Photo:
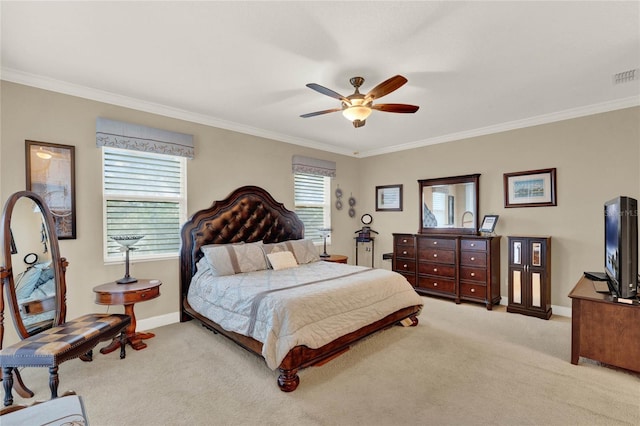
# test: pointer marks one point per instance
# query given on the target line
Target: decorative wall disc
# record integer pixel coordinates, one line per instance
(338, 205)
(352, 212)
(352, 201)
(338, 193)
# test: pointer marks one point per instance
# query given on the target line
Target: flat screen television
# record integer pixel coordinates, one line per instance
(621, 245)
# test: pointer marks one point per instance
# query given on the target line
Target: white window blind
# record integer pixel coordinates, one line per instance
(143, 194)
(313, 203)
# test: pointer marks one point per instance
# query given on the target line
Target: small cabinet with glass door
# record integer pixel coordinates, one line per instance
(530, 276)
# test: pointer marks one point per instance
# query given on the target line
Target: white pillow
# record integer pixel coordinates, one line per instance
(303, 250)
(230, 259)
(282, 260)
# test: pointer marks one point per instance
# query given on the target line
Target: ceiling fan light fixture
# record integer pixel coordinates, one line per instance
(356, 112)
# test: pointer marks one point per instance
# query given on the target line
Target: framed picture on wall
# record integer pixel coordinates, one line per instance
(51, 175)
(389, 198)
(533, 188)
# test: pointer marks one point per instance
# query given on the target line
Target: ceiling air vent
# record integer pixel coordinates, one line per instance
(626, 76)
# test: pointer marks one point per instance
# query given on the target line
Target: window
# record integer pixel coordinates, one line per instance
(312, 195)
(143, 194)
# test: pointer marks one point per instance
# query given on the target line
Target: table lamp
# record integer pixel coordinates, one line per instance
(126, 241)
(325, 233)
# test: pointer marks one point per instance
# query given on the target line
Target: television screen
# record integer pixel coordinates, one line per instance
(621, 245)
(611, 238)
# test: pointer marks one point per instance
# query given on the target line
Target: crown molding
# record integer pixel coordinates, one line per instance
(568, 114)
(59, 86)
(71, 89)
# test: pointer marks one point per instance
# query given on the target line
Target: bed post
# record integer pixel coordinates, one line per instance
(288, 380)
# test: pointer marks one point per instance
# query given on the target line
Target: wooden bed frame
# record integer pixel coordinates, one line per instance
(250, 214)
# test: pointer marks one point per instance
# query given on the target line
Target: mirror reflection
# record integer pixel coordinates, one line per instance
(33, 272)
(449, 204)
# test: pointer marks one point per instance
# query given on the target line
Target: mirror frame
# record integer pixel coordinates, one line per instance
(452, 180)
(58, 263)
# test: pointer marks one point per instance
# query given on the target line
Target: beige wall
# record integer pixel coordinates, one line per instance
(225, 160)
(596, 158)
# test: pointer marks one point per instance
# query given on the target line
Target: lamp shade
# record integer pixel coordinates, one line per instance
(356, 112)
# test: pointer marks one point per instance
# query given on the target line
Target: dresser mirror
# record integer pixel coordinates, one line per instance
(449, 205)
(35, 281)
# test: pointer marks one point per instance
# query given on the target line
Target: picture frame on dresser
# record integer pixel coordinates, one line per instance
(532, 188)
(489, 223)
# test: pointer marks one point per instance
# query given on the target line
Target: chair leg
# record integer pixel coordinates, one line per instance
(53, 381)
(87, 357)
(123, 344)
(7, 383)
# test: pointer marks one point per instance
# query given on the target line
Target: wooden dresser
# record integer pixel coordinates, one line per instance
(460, 267)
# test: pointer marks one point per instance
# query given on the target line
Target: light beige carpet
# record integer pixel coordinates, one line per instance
(463, 365)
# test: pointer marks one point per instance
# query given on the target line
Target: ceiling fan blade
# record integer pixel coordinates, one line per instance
(401, 108)
(326, 111)
(386, 87)
(328, 92)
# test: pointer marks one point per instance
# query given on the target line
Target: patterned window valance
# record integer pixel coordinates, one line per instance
(313, 166)
(118, 134)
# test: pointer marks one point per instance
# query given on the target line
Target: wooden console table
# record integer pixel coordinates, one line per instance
(603, 329)
(128, 294)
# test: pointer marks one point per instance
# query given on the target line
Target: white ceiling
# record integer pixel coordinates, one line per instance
(473, 67)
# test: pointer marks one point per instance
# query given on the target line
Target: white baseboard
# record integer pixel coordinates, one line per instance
(159, 321)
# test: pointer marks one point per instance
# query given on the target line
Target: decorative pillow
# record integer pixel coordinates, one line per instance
(282, 260)
(229, 259)
(303, 250)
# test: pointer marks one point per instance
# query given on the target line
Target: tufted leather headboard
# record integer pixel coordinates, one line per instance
(248, 214)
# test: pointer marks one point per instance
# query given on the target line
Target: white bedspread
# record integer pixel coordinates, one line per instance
(310, 305)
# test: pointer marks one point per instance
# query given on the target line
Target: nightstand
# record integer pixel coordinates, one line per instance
(128, 295)
(336, 258)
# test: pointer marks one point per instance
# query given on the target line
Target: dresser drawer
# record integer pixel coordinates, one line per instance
(473, 258)
(404, 265)
(410, 277)
(473, 291)
(437, 269)
(405, 251)
(404, 240)
(473, 245)
(437, 284)
(473, 274)
(437, 255)
(442, 243)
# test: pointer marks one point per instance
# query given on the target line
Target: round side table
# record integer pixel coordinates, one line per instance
(128, 295)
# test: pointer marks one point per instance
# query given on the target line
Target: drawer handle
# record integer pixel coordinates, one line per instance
(472, 244)
(435, 284)
(473, 274)
(435, 254)
(404, 241)
(406, 266)
(473, 258)
(143, 295)
(435, 243)
(435, 269)
(473, 290)
(404, 252)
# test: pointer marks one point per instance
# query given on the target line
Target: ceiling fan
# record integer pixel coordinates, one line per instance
(357, 107)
